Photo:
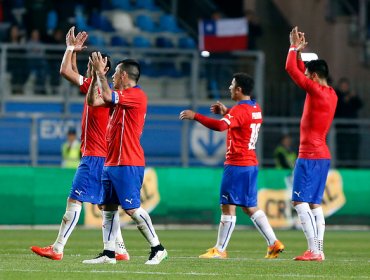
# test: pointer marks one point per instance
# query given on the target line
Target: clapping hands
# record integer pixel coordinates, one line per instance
(76, 41)
(297, 39)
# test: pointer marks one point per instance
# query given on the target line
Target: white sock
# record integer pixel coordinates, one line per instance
(225, 230)
(120, 245)
(145, 226)
(320, 225)
(259, 219)
(308, 225)
(69, 222)
(109, 228)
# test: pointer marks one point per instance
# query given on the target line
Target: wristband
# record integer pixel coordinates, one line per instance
(293, 49)
(71, 48)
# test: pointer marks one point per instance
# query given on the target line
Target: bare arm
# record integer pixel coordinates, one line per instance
(106, 92)
(93, 97)
(98, 63)
(74, 63)
(68, 67)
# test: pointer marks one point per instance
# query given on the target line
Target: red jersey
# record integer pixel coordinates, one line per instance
(244, 121)
(125, 127)
(93, 126)
(318, 111)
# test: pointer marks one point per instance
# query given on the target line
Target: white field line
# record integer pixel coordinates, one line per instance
(285, 275)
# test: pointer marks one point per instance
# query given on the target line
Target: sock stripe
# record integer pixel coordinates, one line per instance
(261, 231)
(111, 227)
(70, 226)
(312, 224)
(227, 235)
(147, 224)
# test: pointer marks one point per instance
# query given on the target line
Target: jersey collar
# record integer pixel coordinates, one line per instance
(249, 102)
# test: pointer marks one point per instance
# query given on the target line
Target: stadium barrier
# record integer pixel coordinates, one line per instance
(37, 196)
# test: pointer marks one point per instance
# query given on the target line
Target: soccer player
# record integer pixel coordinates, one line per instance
(312, 165)
(239, 182)
(123, 170)
(86, 185)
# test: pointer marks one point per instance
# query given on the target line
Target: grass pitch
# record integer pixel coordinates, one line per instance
(347, 256)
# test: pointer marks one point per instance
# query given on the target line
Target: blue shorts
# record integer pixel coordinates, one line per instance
(239, 186)
(86, 184)
(122, 185)
(309, 179)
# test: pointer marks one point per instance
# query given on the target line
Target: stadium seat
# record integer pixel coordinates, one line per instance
(122, 21)
(169, 69)
(186, 43)
(168, 23)
(96, 40)
(51, 21)
(145, 23)
(118, 41)
(100, 22)
(124, 5)
(163, 42)
(141, 42)
(146, 4)
(81, 23)
(147, 68)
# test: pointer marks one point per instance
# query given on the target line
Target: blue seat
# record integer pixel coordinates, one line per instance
(96, 40)
(148, 69)
(99, 21)
(121, 4)
(163, 42)
(141, 42)
(169, 69)
(146, 4)
(186, 43)
(145, 23)
(81, 23)
(52, 20)
(168, 23)
(118, 41)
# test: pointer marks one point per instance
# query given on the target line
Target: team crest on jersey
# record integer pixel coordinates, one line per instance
(256, 115)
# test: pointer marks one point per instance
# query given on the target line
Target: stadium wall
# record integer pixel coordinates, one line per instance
(37, 196)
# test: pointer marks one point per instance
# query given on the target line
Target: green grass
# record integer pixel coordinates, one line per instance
(347, 256)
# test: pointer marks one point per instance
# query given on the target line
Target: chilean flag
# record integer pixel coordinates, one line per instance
(223, 35)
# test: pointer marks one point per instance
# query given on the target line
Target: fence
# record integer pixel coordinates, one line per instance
(36, 139)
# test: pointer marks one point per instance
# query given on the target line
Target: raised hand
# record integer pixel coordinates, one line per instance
(218, 108)
(187, 115)
(76, 41)
(70, 37)
(80, 40)
(294, 37)
(98, 63)
(302, 43)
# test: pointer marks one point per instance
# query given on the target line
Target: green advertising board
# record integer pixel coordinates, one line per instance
(34, 196)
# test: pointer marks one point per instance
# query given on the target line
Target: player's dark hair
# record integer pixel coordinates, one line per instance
(131, 67)
(245, 82)
(318, 66)
(104, 55)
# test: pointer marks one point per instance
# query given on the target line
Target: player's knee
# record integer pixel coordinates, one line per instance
(130, 212)
(249, 210)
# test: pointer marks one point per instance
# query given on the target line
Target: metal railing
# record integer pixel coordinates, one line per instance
(35, 140)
